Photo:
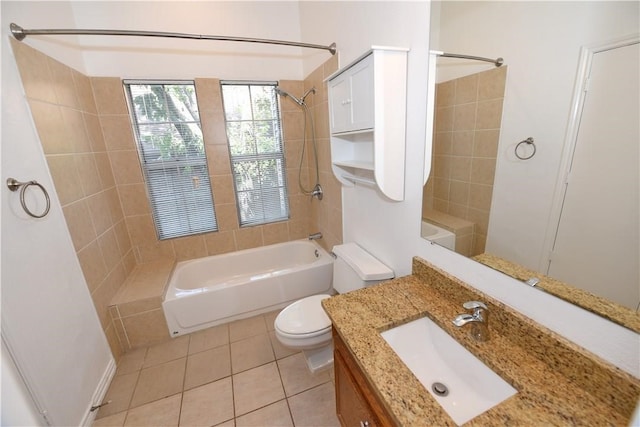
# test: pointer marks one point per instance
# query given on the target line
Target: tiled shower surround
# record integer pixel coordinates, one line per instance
(468, 114)
(86, 135)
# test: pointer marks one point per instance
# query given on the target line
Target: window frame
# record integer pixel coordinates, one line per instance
(162, 228)
(276, 155)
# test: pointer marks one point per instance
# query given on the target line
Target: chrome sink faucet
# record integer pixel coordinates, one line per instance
(479, 319)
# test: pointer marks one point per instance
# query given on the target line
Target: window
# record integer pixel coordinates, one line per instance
(171, 149)
(254, 133)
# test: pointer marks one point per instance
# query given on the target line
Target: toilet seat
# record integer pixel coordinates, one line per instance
(304, 318)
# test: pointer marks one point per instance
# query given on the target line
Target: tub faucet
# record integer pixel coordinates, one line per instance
(317, 192)
(479, 319)
(315, 236)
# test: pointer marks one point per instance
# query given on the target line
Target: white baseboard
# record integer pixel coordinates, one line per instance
(100, 392)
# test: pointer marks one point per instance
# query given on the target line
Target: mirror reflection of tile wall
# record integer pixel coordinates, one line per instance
(465, 144)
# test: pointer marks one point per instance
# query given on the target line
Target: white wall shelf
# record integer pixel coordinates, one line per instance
(367, 116)
(357, 164)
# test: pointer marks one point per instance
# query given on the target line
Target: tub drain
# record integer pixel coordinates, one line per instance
(440, 389)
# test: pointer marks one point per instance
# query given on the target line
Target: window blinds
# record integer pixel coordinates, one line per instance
(254, 133)
(172, 156)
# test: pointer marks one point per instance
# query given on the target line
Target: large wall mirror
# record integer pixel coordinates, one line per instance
(534, 163)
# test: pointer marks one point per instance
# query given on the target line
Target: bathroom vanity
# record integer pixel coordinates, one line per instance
(557, 382)
(356, 402)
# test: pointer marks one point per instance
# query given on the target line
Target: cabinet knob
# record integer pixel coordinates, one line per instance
(364, 423)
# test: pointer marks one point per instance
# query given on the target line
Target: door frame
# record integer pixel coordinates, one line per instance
(585, 62)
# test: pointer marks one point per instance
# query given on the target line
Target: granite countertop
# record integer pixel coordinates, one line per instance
(558, 382)
(601, 306)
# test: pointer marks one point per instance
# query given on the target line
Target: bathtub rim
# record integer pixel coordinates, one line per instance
(176, 328)
(177, 265)
(442, 237)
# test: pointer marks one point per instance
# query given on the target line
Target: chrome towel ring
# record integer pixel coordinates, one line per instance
(14, 185)
(528, 141)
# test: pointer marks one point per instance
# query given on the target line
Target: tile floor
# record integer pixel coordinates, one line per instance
(235, 374)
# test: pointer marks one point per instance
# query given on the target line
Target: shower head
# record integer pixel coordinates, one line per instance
(299, 101)
(283, 92)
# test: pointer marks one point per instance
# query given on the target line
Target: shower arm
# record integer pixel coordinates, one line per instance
(20, 33)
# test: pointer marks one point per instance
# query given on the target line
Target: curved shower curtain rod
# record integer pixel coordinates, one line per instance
(20, 33)
(497, 62)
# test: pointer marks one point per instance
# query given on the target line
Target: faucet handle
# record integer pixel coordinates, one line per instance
(472, 305)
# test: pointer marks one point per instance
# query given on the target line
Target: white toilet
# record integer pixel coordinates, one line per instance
(305, 326)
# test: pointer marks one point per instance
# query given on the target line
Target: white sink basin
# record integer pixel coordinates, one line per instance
(435, 357)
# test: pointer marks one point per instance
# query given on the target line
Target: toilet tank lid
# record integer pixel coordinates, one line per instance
(366, 265)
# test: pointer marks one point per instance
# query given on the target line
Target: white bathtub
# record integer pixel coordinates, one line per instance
(209, 291)
(438, 235)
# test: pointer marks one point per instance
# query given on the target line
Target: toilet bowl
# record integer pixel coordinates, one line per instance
(304, 325)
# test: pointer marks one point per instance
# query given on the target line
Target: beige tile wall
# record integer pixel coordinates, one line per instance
(136, 310)
(463, 229)
(229, 237)
(326, 215)
(306, 216)
(465, 144)
(66, 117)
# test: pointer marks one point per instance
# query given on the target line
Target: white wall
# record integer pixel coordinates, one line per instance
(540, 43)
(390, 230)
(49, 323)
(177, 58)
(45, 14)
(160, 58)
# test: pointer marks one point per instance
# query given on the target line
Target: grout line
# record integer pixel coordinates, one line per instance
(134, 390)
(186, 365)
(262, 407)
(309, 389)
(230, 376)
(284, 390)
(181, 400)
(233, 393)
(126, 335)
(286, 398)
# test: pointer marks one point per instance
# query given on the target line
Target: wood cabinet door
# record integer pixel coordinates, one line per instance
(352, 409)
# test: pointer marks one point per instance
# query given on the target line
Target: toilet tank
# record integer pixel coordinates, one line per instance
(355, 268)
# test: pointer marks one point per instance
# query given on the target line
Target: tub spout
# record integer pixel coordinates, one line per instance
(315, 236)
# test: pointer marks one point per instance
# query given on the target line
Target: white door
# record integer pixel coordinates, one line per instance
(49, 326)
(597, 242)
